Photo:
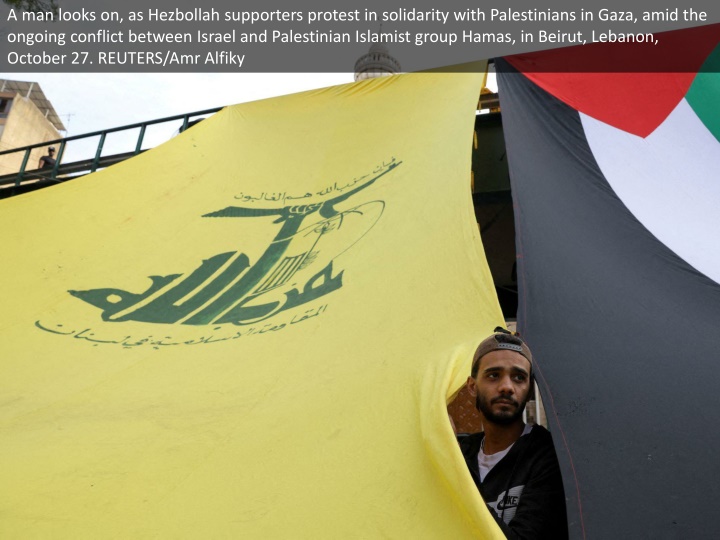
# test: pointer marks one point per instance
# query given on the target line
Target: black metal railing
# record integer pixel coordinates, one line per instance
(26, 180)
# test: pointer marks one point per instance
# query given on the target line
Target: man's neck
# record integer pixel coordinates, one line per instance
(498, 437)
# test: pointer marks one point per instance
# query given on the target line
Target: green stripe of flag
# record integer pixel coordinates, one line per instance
(704, 94)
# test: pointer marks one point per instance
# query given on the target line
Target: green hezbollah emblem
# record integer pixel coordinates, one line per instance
(226, 289)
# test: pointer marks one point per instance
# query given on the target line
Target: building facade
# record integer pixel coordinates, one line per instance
(26, 117)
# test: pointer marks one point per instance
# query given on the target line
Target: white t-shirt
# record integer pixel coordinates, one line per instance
(486, 463)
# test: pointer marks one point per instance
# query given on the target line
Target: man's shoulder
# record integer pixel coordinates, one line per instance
(470, 442)
(539, 433)
(539, 440)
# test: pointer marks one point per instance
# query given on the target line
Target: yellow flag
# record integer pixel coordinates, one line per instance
(252, 331)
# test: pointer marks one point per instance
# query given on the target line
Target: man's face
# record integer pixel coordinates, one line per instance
(502, 386)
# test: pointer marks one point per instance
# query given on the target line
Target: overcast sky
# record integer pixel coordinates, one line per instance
(92, 102)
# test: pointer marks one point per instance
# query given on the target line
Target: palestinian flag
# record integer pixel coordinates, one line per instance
(617, 193)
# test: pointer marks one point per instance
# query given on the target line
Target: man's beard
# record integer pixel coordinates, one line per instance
(504, 418)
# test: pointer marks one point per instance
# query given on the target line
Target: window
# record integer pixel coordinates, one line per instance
(5, 105)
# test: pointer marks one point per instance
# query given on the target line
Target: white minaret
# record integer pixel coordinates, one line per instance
(377, 62)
